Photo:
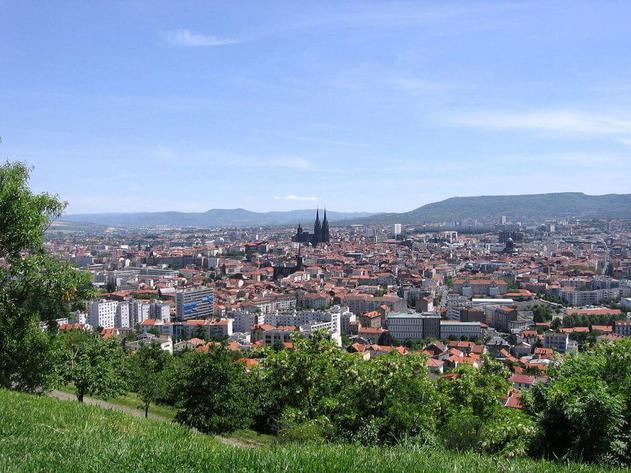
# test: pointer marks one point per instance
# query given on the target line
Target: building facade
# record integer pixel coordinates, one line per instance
(194, 304)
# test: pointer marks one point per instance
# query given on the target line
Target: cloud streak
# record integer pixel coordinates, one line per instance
(347, 144)
(293, 197)
(189, 39)
(287, 162)
(548, 121)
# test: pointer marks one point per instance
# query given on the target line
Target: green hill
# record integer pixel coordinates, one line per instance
(40, 434)
(538, 206)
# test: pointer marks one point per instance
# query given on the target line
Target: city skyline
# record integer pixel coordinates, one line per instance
(376, 107)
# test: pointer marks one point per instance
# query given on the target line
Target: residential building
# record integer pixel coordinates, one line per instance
(192, 304)
(413, 326)
(458, 330)
(623, 327)
(560, 342)
(102, 314)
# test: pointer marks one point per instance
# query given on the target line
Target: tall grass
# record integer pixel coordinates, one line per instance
(39, 434)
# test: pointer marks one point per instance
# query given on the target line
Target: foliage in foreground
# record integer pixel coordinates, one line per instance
(39, 434)
(34, 286)
(585, 412)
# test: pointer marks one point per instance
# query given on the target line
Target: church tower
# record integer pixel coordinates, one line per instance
(317, 229)
(325, 229)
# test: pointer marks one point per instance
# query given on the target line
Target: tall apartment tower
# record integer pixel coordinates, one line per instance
(197, 303)
(103, 314)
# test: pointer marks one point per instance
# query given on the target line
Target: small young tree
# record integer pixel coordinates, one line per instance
(95, 367)
(147, 373)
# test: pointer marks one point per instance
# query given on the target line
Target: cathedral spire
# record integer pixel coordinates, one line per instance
(325, 229)
(317, 228)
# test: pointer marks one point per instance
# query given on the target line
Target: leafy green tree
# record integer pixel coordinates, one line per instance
(473, 400)
(309, 378)
(34, 286)
(508, 433)
(394, 397)
(346, 397)
(217, 394)
(95, 366)
(147, 373)
(583, 413)
(542, 313)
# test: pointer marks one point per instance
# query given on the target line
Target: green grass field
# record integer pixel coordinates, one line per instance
(132, 401)
(41, 434)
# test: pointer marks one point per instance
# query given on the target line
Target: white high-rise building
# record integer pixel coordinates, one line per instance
(140, 311)
(102, 314)
(122, 319)
(397, 229)
(160, 311)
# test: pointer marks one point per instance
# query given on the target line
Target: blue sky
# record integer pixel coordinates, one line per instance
(377, 106)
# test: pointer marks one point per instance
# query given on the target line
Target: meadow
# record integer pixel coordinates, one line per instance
(41, 434)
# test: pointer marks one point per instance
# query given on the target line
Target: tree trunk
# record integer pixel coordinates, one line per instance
(147, 410)
(80, 397)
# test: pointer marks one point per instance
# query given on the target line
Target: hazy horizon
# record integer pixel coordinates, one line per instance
(276, 106)
(321, 208)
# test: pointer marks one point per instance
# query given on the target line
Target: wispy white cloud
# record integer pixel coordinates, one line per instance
(287, 162)
(410, 84)
(348, 144)
(190, 39)
(547, 120)
(398, 14)
(190, 157)
(519, 163)
(294, 197)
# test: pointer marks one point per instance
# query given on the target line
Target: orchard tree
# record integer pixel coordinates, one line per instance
(34, 286)
(584, 413)
(217, 395)
(95, 366)
(147, 373)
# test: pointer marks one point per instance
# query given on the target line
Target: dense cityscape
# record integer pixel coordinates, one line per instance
(523, 292)
(359, 236)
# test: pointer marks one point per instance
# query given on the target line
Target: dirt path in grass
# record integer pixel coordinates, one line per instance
(240, 443)
(64, 396)
(106, 405)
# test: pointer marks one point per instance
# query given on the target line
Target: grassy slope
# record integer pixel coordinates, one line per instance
(39, 434)
(132, 401)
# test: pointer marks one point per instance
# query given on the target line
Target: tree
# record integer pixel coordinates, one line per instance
(147, 373)
(217, 395)
(110, 286)
(34, 286)
(542, 313)
(509, 433)
(317, 387)
(583, 412)
(95, 367)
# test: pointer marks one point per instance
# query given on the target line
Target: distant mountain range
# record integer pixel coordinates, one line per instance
(540, 206)
(212, 218)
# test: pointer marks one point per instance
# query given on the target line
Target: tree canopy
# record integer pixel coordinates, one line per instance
(34, 286)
